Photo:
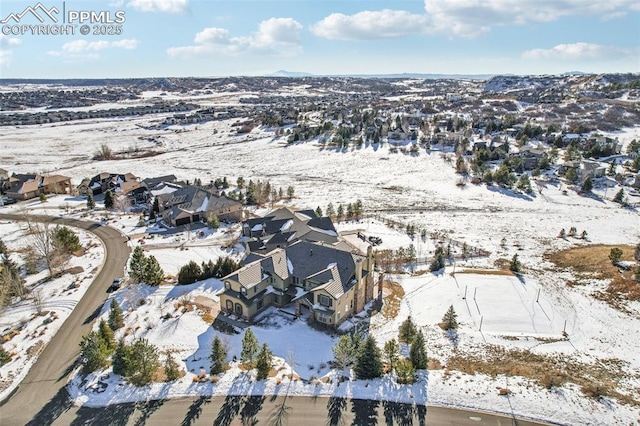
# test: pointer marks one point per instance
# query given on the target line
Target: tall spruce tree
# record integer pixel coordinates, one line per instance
(116, 319)
(418, 352)
(153, 273)
(407, 331)
(107, 335)
(94, 352)
(108, 200)
(118, 363)
(171, 369)
(369, 360)
(450, 319)
(137, 264)
(264, 361)
(218, 356)
(250, 347)
(391, 353)
(91, 203)
(343, 352)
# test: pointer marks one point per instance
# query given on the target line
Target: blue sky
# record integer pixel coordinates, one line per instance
(242, 37)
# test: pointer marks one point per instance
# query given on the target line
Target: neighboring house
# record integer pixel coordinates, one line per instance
(119, 184)
(190, 204)
(283, 227)
(27, 186)
(326, 282)
(157, 182)
(531, 157)
(592, 169)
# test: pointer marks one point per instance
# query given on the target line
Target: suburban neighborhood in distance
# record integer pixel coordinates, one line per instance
(282, 225)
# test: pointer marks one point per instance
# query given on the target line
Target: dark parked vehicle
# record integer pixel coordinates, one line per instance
(115, 285)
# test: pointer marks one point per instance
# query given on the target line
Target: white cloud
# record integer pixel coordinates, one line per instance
(275, 36)
(462, 18)
(579, 51)
(369, 25)
(90, 49)
(471, 18)
(116, 3)
(167, 6)
(6, 53)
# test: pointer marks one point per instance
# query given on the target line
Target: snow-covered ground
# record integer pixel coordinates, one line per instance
(419, 190)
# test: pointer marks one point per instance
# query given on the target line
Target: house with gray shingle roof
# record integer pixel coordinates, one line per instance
(190, 204)
(283, 227)
(329, 283)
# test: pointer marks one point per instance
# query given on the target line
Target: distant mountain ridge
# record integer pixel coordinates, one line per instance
(297, 74)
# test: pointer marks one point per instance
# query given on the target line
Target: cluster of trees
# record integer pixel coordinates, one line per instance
(392, 261)
(138, 362)
(259, 193)
(255, 356)
(351, 211)
(368, 360)
(573, 232)
(438, 261)
(515, 265)
(192, 272)
(145, 269)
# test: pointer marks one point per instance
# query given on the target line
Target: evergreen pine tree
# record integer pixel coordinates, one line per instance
(108, 200)
(116, 319)
(118, 358)
(153, 273)
(391, 353)
(340, 213)
(562, 233)
(584, 235)
(137, 264)
(218, 356)
(141, 362)
(106, 333)
(94, 352)
(515, 265)
(343, 352)
(369, 361)
(619, 197)
(5, 356)
(318, 211)
(290, 192)
(407, 331)
(418, 352)
(330, 211)
(250, 347)
(264, 361)
(450, 319)
(171, 368)
(156, 205)
(189, 273)
(587, 185)
(91, 204)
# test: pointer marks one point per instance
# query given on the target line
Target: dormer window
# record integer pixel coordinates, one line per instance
(227, 285)
(243, 291)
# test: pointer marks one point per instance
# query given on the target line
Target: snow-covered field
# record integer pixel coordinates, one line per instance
(419, 190)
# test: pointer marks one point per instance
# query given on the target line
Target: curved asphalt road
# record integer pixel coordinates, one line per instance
(41, 398)
(44, 384)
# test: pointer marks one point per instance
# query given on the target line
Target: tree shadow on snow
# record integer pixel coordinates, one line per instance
(510, 193)
(113, 415)
(365, 412)
(195, 409)
(335, 408)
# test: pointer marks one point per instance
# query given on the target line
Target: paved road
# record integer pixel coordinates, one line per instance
(242, 410)
(44, 384)
(41, 399)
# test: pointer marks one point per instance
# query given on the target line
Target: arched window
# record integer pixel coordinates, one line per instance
(229, 305)
(238, 309)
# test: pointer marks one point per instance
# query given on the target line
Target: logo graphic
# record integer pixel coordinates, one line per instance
(34, 11)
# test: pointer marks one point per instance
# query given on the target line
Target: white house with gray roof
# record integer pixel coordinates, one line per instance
(327, 282)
